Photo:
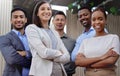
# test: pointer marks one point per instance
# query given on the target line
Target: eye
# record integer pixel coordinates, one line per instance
(57, 19)
(48, 8)
(85, 14)
(22, 16)
(100, 18)
(15, 16)
(42, 9)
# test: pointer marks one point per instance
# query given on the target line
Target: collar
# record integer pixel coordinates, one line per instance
(91, 29)
(17, 32)
(64, 36)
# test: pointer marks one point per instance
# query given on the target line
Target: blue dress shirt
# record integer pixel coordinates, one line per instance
(23, 38)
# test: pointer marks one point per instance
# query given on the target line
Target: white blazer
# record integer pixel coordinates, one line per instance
(42, 52)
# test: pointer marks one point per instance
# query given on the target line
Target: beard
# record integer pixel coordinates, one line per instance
(18, 28)
(86, 25)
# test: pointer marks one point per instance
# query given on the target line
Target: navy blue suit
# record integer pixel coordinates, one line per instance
(9, 45)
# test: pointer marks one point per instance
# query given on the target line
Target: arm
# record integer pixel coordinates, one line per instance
(10, 54)
(82, 61)
(108, 59)
(65, 57)
(25, 54)
(37, 42)
(76, 48)
(113, 54)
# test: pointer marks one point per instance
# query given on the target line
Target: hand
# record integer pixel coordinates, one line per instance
(22, 53)
(110, 53)
(80, 55)
(113, 53)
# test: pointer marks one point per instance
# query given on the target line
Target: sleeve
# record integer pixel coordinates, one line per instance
(76, 48)
(34, 38)
(81, 48)
(116, 44)
(10, 55)
(65, 57)
(28, 54)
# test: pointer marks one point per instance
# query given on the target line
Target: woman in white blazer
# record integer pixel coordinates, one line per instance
(48, 51)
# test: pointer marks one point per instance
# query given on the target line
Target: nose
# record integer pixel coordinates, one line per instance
(59, 21)
(18, 19)
(47, 10)
(97, 21)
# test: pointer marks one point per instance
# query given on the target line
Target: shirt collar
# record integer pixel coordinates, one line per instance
(17, 32)
(91, 29)
(64, 36)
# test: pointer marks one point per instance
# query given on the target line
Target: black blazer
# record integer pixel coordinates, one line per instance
(9, 44)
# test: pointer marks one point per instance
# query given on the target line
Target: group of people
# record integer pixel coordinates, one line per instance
(39, 50)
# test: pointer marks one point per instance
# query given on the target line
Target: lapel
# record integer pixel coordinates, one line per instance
(17, 38)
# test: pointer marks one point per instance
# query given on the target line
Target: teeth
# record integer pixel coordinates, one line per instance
(84, 22)
(97, 26)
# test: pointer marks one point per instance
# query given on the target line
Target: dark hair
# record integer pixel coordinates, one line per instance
(19, 8)
(59, 13)
(35, 18)
(102, 10)
(85, 7)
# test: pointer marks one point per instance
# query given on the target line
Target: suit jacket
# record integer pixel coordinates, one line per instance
(42, 52)
(9, 44)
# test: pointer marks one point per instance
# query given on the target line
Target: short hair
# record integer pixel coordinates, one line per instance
(102, 10)
(85, 7)
(59, 13)
(19, 8)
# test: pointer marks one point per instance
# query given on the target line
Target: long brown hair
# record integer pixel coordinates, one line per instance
(35, 19)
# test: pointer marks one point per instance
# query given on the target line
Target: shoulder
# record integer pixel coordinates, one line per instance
(9, 35)
(55, 32)
(31, 26)
(113, 36)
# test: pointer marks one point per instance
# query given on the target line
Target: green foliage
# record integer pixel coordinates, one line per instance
(75, 6)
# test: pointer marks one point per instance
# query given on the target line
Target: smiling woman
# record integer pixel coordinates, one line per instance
(45, 43)
(99, 60)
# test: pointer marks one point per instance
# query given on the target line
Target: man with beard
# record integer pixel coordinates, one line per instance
(84, 17)
(59, 21)
(14, 46)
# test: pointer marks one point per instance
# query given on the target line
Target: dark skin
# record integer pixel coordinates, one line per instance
(106, 60)
(84, 17)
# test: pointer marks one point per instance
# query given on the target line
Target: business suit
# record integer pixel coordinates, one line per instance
(42, 52)
(9, 45)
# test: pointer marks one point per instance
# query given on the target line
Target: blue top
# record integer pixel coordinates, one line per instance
(52, 37)
(23, 38)
(79, 40)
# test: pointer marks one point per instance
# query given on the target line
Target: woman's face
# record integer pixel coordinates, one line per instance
(44, 12)
(98, 21)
